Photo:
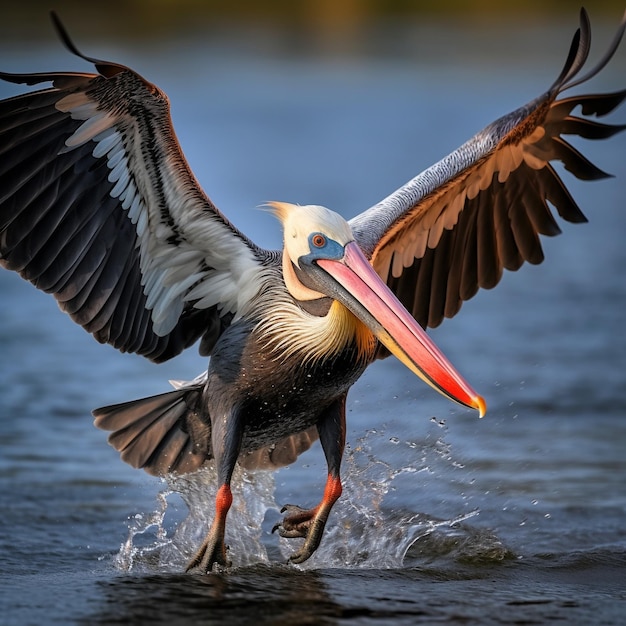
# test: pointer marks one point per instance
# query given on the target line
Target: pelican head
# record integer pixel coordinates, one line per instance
(321, 259)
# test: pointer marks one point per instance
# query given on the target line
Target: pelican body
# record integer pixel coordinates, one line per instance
(99, 207)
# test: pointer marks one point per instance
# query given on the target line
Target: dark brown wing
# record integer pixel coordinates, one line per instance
(455, 227)
(98, 207)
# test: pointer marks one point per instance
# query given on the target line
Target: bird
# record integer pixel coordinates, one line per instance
(99, 208)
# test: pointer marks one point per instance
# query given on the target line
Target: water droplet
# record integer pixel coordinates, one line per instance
(394, 440)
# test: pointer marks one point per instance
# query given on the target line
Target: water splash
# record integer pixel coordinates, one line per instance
(368, 528)
(154, 543)
(149, 526)
(365, 531)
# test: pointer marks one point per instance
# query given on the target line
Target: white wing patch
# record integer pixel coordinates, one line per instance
(224, 275)
(81, 107)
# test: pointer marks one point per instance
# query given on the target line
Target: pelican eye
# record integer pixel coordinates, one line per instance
(318, 240)
(320, 246)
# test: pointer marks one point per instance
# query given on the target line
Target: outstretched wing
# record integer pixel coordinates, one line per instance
(456, 226)
(99, 207)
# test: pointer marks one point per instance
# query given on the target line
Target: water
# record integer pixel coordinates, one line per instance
(516, 518)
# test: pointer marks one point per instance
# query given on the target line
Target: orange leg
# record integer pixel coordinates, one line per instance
(226, 442)
(213, 549)
(310, 523)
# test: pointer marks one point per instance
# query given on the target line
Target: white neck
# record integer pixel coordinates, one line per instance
(294, 286)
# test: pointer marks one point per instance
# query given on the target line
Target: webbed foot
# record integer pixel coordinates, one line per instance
(211, 552)
(296, 523)
(213, 549)
(309, 523)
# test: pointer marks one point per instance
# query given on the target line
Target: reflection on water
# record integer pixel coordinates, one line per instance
(579, 591)
(277, 595)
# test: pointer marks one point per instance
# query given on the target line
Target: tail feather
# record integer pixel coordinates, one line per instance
(150, 420)
(174, 453)
(164, 434)
(160, 434)
(280, 454)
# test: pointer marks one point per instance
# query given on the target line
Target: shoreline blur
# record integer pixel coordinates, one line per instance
(303, 22)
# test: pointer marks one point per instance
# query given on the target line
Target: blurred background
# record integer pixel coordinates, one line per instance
(346, 25)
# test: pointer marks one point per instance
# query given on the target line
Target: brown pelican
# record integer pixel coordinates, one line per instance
(99, 207)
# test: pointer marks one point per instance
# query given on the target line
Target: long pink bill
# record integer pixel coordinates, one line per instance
(369, 298)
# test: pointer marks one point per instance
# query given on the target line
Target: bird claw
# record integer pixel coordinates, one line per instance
(212, 552)
(296, 523)
(301, 522)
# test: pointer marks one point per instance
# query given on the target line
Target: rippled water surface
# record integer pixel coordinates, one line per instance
(516, 518)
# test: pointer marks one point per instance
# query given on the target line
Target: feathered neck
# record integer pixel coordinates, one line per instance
(292, 331)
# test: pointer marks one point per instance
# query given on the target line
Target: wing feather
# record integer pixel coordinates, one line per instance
(455, 227)
(98, 207)
(489, 266)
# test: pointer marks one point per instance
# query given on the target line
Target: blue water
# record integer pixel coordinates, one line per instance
(516, 518)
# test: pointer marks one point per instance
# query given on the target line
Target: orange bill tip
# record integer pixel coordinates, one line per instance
(480, 405)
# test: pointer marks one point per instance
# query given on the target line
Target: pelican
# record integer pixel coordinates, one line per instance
(99, 208)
